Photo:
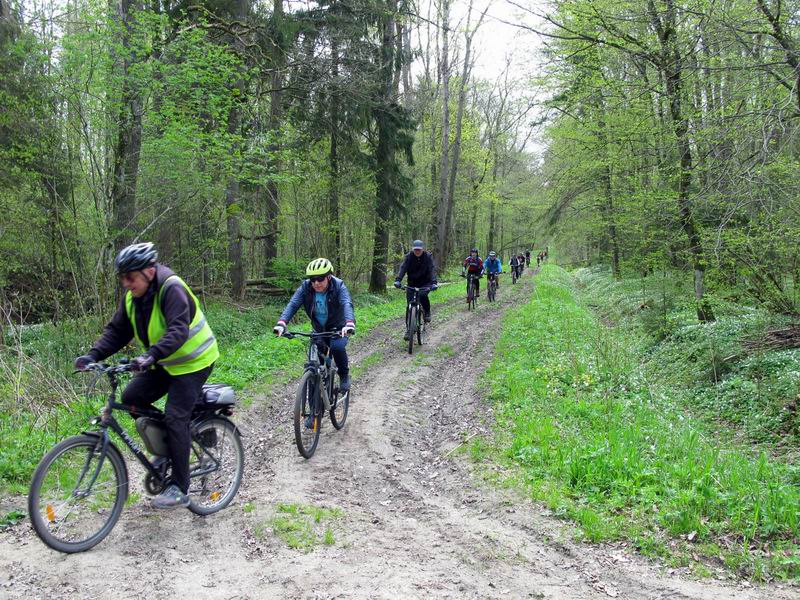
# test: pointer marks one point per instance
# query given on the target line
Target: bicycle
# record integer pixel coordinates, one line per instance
(491, 286)
(514, 274)
(415, 323)
(472, 298)
(80, 486)
(316, 394)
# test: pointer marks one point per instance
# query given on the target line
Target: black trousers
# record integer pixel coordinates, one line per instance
(424, 301)
(182, 392)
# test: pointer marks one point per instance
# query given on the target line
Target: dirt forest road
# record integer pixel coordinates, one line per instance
(414, 520)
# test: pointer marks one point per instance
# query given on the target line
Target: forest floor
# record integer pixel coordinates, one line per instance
(386, 508)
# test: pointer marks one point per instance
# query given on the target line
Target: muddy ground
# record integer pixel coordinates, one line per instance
(415, 519)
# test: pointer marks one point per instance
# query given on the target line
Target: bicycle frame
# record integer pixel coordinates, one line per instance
(321, 368)
(106, 420)
(414, 302)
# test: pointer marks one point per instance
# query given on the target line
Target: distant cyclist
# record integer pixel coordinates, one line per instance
(527, 258)
(514, 264)
(473, 265)
(493, 266)
(421, 271)
(326, 300)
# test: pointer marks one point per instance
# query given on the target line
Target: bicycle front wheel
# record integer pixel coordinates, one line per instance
(216, 465)
(340, 409)
(77, 493)
(307, 417)
(412, 328)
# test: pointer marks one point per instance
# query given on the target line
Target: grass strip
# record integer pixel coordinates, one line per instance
(584, 431)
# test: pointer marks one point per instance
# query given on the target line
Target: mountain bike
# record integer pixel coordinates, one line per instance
(80, 486)
(415, 322)
(491, 286)
(514, 274)
(472, 297)
(317, 393)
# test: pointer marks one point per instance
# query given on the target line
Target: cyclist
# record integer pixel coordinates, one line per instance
(493, 266)
(421, 271)
(514, 263)
(520, 263)
(327, 303)
(527, 258)
(162, 313)
(473, 264)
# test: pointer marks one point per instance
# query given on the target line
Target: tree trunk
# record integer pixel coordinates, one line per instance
(442, 223)
(272, 199)
(128, 144)
(384, 153)
(333, 161)
(232, 192)
(671, 65)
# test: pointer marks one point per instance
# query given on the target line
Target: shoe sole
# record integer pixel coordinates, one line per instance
(171, 506)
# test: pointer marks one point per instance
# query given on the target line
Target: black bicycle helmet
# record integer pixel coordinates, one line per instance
(135, 258)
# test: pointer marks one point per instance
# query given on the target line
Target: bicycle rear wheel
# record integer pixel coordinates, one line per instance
(77, 493)
(216, 465)
(307, 417)
(412, 328)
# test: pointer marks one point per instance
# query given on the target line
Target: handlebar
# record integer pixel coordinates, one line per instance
(314, 335)
(416, 289)
(122, 367)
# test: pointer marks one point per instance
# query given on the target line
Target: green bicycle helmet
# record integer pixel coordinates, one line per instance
(319, 266)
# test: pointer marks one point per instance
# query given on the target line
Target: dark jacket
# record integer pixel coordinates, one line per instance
(421, 271)
(340, 305)
(176, 306)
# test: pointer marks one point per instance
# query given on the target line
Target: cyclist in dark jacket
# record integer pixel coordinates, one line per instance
(327, 303)
(421, 271)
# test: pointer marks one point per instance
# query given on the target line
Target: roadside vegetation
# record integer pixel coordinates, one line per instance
(640, 434)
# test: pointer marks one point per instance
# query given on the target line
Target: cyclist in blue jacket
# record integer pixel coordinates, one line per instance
(327, 303)
(493, 266)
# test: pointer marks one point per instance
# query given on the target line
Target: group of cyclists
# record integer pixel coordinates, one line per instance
(160, 311)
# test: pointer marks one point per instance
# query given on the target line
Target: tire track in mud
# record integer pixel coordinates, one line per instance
(416, 521)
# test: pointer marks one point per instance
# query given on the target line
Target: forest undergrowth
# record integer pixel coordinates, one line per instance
(638, 437)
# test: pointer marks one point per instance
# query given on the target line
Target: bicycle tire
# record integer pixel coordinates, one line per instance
(420, 327)
(339, 412)
(412, 327)
(211, 492)
(305, 403)
(470, 294)
(42, 497)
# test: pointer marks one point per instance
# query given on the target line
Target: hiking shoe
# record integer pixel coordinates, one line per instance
(172, 497)
(427, 317)
(344, 383)
(405, 335)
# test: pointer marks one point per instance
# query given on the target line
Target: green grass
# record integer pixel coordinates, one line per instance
(714, 374)
(301, 527)
(602, 441)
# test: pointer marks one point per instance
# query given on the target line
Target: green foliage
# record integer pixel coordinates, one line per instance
(603, 442)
